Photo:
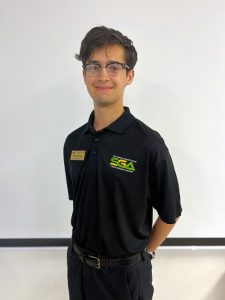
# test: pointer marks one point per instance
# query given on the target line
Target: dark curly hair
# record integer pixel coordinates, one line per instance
(102, 36)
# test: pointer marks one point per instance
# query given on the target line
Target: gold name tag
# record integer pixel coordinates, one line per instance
(77, 155)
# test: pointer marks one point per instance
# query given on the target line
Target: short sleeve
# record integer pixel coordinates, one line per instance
(66, 154)
(163, 187)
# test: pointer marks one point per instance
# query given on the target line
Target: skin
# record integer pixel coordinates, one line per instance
(159, 233)
(107, 94)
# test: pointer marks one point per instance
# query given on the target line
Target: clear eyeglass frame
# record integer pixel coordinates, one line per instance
(113, 68)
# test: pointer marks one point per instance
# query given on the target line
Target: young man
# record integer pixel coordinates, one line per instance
(117, 170)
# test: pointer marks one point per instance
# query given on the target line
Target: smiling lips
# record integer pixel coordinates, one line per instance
(103, 88)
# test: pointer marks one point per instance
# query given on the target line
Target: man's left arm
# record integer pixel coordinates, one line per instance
(159, 233)
(165, 197)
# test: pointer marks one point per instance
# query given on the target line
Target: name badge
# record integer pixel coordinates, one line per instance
(77, 155)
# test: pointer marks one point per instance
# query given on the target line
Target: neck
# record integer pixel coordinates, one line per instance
(106, 115)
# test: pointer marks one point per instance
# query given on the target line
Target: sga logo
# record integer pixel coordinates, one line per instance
(123, 164)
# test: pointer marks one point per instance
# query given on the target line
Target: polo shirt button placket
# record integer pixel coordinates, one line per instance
(96, 139)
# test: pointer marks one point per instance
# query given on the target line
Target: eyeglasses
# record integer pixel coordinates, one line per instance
(113, 69)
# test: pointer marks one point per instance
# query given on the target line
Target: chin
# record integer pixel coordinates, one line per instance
(104, 103)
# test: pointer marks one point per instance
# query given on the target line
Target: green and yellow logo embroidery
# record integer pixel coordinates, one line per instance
(123, 164)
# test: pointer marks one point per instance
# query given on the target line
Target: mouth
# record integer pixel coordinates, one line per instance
(103, 89)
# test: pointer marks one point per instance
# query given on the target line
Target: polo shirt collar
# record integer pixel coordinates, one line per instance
(118, 126)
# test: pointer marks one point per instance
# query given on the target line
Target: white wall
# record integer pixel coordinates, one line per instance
(179, 90)
(189, 274)
(40, 274)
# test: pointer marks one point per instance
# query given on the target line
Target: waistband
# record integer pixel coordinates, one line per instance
(98, 263)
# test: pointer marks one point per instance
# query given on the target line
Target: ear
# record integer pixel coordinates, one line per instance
(84, 76)
(130, 76)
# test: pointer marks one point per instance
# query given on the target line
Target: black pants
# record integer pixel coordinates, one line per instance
(132, 282)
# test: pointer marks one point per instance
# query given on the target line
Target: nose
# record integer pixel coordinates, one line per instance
(103, 74)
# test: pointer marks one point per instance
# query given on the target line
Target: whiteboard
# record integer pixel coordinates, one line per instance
(178, 90)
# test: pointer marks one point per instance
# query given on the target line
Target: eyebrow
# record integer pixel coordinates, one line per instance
(98, 63)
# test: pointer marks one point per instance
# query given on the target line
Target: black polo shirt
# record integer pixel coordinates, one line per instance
(115, 177)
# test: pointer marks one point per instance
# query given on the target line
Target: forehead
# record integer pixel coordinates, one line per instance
(108, 53)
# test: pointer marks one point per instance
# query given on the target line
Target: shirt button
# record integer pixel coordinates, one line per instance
(96, 139)
(94, 152)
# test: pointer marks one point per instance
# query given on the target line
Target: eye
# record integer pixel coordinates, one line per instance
(93, 67)
(114, 67)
